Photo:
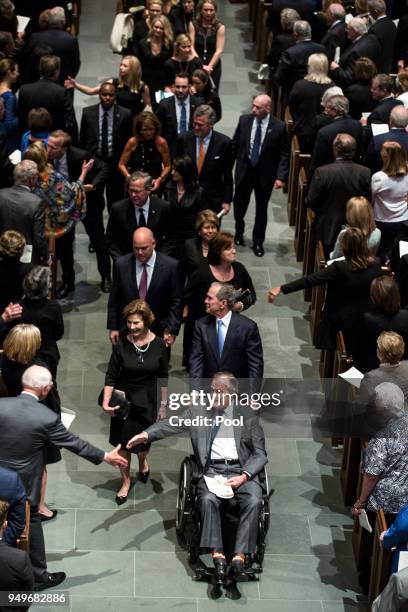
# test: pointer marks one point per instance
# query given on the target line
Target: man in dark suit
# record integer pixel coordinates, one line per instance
(140, 209)
(305, 8)
(293, 62)
(16, 573)
(332, 186)
(12, 491)
(6, 174)
(27, 427)
(49, 94)
(150, 276)
(62, 43)
(362, 45)
(337, 108)
(336, 35)
(398, 133)
(68, 160)
(23, 211)
(382, 92)
(176, 113)
(260, 146)
(212, 153)
(236, 452)
(105, 129)
(225, 340)
(386, 32)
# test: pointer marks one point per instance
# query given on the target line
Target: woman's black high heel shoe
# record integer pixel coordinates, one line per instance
(144, 476)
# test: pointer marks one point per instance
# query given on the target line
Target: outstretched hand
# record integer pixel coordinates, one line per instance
(138, 439)
(115, 459)
(273, 294)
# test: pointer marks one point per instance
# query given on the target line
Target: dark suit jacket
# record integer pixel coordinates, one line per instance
(366, 46)
(360, 99)
(122, 224)
(6, 174)
(249, 439)
(193, 254)
(23, 211)
(89, 131)
(279, 44)
(13, 492)
(323, 149)
(331, 187)
(386, 32)
(273, 160)
(166, 114)
(373, 158)
(305, 8)
(216, 174)
(335, 37)
(242, 354)
(63, 44)
(52, 96)
(97, 175)
(381, 113)
(16, 573)
(27, 427)
(164, 294)
(293, 63)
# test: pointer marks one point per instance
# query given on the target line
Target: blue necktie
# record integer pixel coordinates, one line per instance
(57, 165)
(220, 337)
(256, 145)
(183, 118)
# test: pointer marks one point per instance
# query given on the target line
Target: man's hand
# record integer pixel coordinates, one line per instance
(273, 294)
(226, 207)
(138, 439)
(169, 339)
(114, 336)
(278, 184)
(115, 459)
(236, 481)
(363, 121)
(334, 66)
(13, 311)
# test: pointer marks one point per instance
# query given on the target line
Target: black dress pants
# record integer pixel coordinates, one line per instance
(64, 251)
(93, 223)
(37, 546)
(250, 183)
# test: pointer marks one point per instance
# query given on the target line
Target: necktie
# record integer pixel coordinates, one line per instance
(201, 156)
(142, 218)
(183, 118)
(220, 337)
(104, 141)
(143, 283)
(57, 165)
(256, 145)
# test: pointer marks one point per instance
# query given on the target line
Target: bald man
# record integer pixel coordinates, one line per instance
(150, 276)
(260, 147)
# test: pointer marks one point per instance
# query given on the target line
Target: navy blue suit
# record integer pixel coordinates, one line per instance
(373, 158)
(13, 492)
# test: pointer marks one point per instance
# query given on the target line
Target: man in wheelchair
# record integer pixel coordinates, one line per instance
(233, 447)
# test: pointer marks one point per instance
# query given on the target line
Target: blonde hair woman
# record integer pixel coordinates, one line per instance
(183, 60)
(131, 92)
(208, 37)
(359, 213)
(153, 51)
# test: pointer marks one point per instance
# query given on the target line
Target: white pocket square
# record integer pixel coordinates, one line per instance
(216, 157)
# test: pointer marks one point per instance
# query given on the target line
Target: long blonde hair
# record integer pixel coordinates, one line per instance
(359, 213)
(167, 30)
(134, 76)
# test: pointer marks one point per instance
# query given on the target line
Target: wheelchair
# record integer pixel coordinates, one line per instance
(188, 526)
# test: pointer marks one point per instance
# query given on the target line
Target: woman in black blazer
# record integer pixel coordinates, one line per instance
(196, 249)
(348, 292)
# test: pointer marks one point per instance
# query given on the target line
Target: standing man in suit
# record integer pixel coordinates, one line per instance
(336, 35)
(23, 211)
(68, 160)
(386, 32)
(382, 87)
(260, 146)
(176, 113)
(27, 427)
(225, 340)
(105, 129)
(398, 133)
(149, 276)
(49, 94)
(140, 209)
(237, 453)
(332, 186)
(305, 8)
(13, 492)
(212, 153)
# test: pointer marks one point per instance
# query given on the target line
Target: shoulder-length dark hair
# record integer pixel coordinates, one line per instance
(385, 294)
(187, 169)
(220, 242)
(355, 248)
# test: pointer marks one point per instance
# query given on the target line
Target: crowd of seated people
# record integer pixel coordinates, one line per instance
(151, 151)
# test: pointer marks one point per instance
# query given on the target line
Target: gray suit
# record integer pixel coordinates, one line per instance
(27, 426)
(394, 597)
(250, 444)
(23, 211)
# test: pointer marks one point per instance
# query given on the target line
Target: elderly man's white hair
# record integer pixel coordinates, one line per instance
(389, 400)
(36, 377)
(358, 25)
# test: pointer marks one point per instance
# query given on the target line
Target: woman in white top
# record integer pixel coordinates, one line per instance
(389, 189)
(359, 213)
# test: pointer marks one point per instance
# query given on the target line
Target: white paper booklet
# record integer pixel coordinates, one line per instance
(67, 417)
(353, 376)
(337, 55)
(364, 522)
(15, 157)
(379, 128)
(403, 247)
(22, 23)
(403, 560)
(27, 255)
(217, 486)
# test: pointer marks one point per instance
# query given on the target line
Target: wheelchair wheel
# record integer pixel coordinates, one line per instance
(183, 501)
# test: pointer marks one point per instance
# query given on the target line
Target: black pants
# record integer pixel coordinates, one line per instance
(37, 546)
(64, 251)
(250, 183)
(115, 184)
(94, 227)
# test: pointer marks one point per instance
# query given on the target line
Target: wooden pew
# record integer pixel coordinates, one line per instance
(301, 213)
(23, 543)
(288, 120)
(309, 252)
(380, 559)
(262, 34)
(317, 294)
(298, 160)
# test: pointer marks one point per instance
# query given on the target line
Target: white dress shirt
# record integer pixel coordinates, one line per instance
(145, 208)
(264, 127)
(223, 446)
(149, 269)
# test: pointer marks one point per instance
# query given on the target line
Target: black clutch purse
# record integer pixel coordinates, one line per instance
(118, 399)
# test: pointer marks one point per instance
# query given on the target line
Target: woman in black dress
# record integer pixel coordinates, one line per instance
(208, 38)
(185, 197)
(131, 92)
(146, 151)
(221, 266)
(183, 60)
(196, 249)
(181, 16)
(359, 92)
(138, 365)
(201, 88)
(12, 270)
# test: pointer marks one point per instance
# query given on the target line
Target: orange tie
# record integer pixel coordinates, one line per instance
(201, 156)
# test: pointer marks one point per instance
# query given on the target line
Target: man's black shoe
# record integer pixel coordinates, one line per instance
(239, 240)
(106, 285)
(51, 581)
(258, 250)
(64, 290)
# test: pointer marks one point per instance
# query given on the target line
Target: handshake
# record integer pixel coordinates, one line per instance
(116, 459)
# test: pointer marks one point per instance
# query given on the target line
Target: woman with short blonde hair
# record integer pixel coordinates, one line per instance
(22, 343)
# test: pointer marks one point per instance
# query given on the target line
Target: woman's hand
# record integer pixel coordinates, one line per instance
(208, 69)
(87, 166)
(273, 294)
(70, 83)
(109, 409)
(156, 184)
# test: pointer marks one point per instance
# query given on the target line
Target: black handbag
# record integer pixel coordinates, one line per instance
(118, 399)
